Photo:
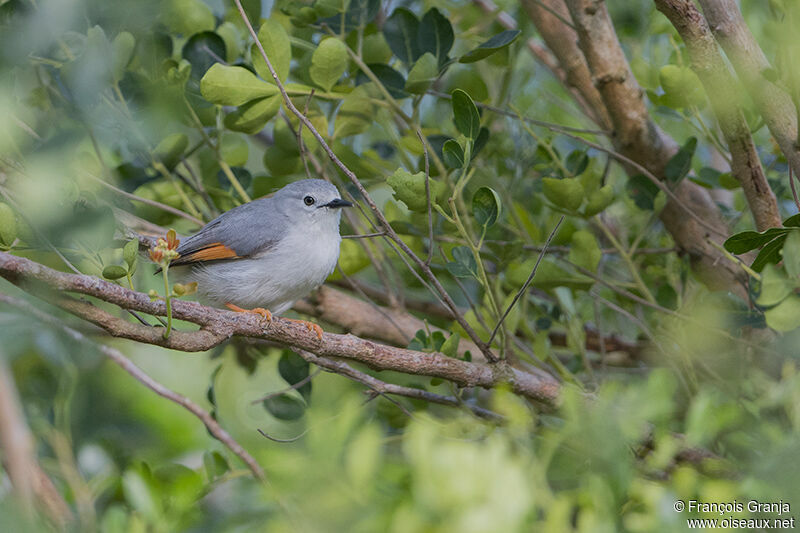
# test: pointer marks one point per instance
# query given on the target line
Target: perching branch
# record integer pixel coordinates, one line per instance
(115, 355)
(218, 325)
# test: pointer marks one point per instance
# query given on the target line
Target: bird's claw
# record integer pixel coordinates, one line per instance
(264, 313)
(310, 326)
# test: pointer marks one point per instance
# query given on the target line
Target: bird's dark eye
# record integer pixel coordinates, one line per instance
(309, 200)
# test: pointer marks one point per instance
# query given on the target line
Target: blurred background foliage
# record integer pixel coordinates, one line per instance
(169, 101)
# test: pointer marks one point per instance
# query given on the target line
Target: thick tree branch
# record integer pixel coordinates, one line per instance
(563, 42)
(638, 138)
(722, 88)
(774, 104)
(220, 325)
(115, 355)
(588, 100)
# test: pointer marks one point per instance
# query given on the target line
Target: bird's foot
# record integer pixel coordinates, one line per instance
(310, 326)
(257, 310)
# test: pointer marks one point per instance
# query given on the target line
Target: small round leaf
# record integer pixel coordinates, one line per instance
(486, 206)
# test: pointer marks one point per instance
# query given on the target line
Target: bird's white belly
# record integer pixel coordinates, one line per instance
(274, 280)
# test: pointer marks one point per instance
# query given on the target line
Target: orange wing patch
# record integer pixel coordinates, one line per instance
(212, 252)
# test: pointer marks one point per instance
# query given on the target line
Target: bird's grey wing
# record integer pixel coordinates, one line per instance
(242, 232)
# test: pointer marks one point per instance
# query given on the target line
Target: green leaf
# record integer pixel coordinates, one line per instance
(565, 193)
(203, 50)
(355, 115)
(793, 221)
(422, 74)
(791, 255)
(188, 17)
(496, 43)
(285, 407)
(463, 264)
(114, 272)
(770, 253)
(390, 78)
(410, 189)
(170, 149)
(681, 163)
(275, 40)
(435, 35)
(294, 369)
(401, 30)
(666, 296)
(224, 85)
(233, 149)
(480, 142)
(215, 464)
(452, 154)
(123, 46)
(785, 316)
(585, 251)
(450, 346)
(486, 206)
(328, 63)
(130, 253)
(599, 200)
(681, 86)
(254, 115)
(775, 286)
(233, 41)
(642, 191)
(576, 162)
(8, 225)
(465, 115)
(750, 240)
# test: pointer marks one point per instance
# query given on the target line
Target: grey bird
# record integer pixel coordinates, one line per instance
(264, 255)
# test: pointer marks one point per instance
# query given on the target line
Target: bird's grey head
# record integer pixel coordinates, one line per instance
(313, 200)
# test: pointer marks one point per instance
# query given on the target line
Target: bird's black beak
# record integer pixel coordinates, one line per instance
(338, 202)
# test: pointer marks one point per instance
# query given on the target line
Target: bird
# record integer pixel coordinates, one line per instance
(264, 255)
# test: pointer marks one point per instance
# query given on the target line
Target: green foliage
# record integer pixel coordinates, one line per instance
(465, 115)
(493, 45)
(410, 189)
(328, 63)
(486, 206)
(173, 103)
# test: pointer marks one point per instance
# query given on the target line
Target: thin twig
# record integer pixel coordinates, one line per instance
(527, 281)
(365, 235)
(147, 201)
(283, 441)
(431, 242)
(287, 389)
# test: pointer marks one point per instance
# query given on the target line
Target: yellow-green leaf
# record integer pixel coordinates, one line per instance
(328, 63)
(275, 40)
(565, 193)
(422, 74)
(224, 85)
(252, 116)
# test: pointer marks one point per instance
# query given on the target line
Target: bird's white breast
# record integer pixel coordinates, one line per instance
(276, 278)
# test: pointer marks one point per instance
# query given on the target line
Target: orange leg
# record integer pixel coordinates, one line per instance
(310, 326)
(257, 310)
